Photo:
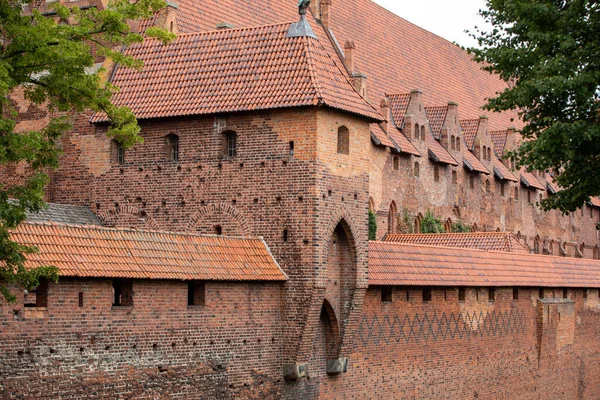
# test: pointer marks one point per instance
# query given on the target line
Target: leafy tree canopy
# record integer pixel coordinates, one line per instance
(50, 57)
(549, 53)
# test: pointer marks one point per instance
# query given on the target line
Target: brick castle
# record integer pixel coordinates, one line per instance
(228, 255)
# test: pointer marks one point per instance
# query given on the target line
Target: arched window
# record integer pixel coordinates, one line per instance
(229, 144)
(118, 152)
(418, 223)
(502, 184)
(542, 198)
(454, 177)
(488, 186)
(423, 133)
(452, 143)
(343, 142)
(392, 217)
(172, 147)
(474, 228)
(396, 163)
(489, 154)
(448, 225)
(471, 182)
(416, 131)
(457, 143)
(371, 204)
(416, 171)
(483, 153)
(436, 173)
(517, 193)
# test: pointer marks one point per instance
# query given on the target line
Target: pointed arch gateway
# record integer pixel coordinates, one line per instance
(392, 217)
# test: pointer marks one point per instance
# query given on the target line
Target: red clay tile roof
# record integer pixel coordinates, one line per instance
(380, 138)
(437, 152)
(469, 128)
(529, 180)
(91, 251)
(499, 139)
(403, 143)
(234, 70)
(488, 241)
(595, 201)
(502, 172)
(436, 117)
(399, 105)
(473, 163)
(418, 265)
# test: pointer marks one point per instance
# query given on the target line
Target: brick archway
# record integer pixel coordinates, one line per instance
(219, 208)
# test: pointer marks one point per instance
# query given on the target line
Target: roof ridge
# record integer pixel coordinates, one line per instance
(243, 28)
(117, 229)
(311, 67)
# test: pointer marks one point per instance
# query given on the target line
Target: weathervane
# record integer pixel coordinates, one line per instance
(302, 6)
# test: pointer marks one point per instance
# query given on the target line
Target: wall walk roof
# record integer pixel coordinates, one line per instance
(418, 265)
(473, 163)
(380, 138)
(403, 143)
(233, 70)
(502, 172)
(437, 152)
(87, 251)
(489, 241)
(529, 180)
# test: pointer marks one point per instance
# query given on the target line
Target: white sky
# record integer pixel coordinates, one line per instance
(448, 19)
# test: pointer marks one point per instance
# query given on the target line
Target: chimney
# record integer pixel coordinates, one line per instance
(483, 125)
(349, 56)
(511, 139)
(168, 18)
(325, 9)
(415, 105)
(360, 84)
(385, 111)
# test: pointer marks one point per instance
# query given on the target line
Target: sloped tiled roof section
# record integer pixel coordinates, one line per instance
(529, 180)
(86, 251)
(499, 139)
(488, 241)
(419, 265)
(473, 163)
(469, 128)
(234, 70)
(381, 138)
(502, 172)
(64, 214)
(436, 117)
(595, 201)
(399, 105)
(437, 152)
(403, 143)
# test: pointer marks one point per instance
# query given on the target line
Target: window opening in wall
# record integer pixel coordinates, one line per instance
(118, 152)
(483, 153)
(492, 294)
(461, 294)
(502, 189)
(477, 294)
(292, 148)
(218, 230)
(541, 293)
(416, 131)
(515, 293)
(386, 294)
(196, 293)
(80, 299)
(517, 193)
(565, 293)
(173, 147)
(454, 177)
(471, 182)
(416, 171)
(591, 212)
(423, 132)
(585, 293)
(541, 197)
(488, 186)
(285, 235)
(38, 297)
(489, 154)
(123, 293)
(396, 163)
(427, 294)
(436, 173)
(392, 217)
(343, 144)
(458, 144)
(452, 143)
(229, 144)
(529, 196)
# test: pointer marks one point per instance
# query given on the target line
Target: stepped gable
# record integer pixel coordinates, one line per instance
(473, 164)
(503, 173)
(488, 241)
(234, 70)
(409, 264)
(97, 252)
(499, 139)
(469, 128)
(436, 117)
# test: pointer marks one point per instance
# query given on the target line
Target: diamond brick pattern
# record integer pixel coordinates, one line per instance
(419, 265)
(234, 70)
(429, 327)
(88, 251)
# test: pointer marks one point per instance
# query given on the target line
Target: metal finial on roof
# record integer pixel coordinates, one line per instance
(302, 6)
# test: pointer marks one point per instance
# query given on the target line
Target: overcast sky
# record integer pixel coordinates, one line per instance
(445, 18)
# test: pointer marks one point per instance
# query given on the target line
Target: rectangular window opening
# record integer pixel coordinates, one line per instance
(585, 293)
(492, 295)
(461, 294)
(386, 294)
(292, 148)
(196, 293)
(123, 293)
(37, 297)
(515, 293)
(427, 294)
(541, 293)
(80, 299)
(565, 293)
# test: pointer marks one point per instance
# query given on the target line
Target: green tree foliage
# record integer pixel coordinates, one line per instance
(460, 227)
(549, 53)
(50, 59)
(430, 224)
(372, 226)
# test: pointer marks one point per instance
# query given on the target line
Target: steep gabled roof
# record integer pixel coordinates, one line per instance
(91, 251)
(399, 105)
(499, 139)
(469, 128)
(418, 265)
(436, 117)
(234, 70)
(489, 241)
